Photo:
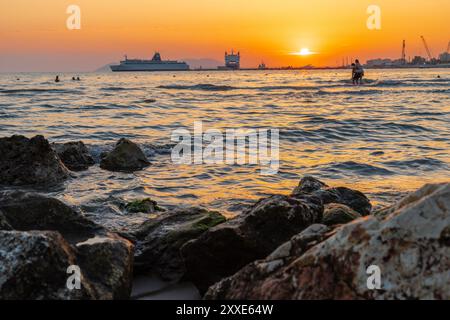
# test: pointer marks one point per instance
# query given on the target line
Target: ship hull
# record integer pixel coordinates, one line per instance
(149, 67)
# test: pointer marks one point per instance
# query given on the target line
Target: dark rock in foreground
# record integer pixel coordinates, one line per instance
(4, 224)
(108, 264)
(349, 197)
(409, 243)
(32, 161)
(34, 263)
(74, 155)
(223, 250)
(160, 239)
(34, 266)
(335, 213)
(256, 273)
(126, 156)
(31, 211)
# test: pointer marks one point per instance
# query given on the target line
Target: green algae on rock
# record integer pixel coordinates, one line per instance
(159, 239)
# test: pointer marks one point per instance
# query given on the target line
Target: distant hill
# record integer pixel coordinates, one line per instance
(202, 63)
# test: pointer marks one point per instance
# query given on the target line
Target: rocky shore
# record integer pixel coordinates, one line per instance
(314, 242)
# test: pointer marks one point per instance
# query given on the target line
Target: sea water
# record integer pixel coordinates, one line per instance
(384, 138)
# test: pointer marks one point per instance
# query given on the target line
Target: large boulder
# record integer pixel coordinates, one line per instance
(108, 263)
(105, 259)
(252, 275)
(409, 245)
(31, 211)
(346, 196)
(159, 240)
(126, 156)
(223, 250)
(32, 161)
(74, 155)
(34, 266)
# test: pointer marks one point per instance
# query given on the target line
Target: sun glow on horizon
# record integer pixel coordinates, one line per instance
(35, 36)
(304, 52)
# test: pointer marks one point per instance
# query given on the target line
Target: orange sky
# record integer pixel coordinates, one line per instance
(34, 36)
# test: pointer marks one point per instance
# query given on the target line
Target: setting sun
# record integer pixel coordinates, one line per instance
(304, 52)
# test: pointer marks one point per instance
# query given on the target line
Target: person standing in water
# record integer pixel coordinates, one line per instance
(357, 72)
(57, 79)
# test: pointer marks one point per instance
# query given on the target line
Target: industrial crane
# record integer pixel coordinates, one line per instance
(403, 59)
(426, 48)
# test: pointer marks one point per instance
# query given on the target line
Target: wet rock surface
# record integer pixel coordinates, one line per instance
(342, 195)
(335, 213)
(35, 260)
(108, 263)
(223, 250)
(256, 273)
(31, 211)
(34, 266)
(146, 205)
(30, 162)
(4, 224)
(410, 244)
(126, 156)
(74, 155)
(316, 243)
(159, 240)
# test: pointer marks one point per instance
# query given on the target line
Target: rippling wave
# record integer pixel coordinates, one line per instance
(386, 137)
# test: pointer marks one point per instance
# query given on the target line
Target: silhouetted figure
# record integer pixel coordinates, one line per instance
(78, 78)
(57, 79)
(73, 78)
(357, 72)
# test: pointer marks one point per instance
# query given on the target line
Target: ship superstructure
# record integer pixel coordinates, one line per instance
(232, 60)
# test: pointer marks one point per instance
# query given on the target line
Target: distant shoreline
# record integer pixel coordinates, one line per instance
(446, 66)
(325, 68)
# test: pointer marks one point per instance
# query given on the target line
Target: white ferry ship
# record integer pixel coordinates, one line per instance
(156, 64)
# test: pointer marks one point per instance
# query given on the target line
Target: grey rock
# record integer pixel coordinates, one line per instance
(241, 284)
(223, 250)
(126, 156)
(349, 197)
(335, 213)
(159, 240)
(74, 155)
(4, 224)
(108, 264)
(410, 244)
(34, 266)
(31, 211)
(105, 259)
(30, 162)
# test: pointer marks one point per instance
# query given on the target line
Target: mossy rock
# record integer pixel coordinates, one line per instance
(159, 240)
(212, 219)
(146, 205)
